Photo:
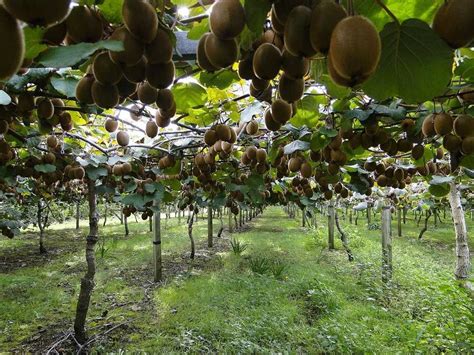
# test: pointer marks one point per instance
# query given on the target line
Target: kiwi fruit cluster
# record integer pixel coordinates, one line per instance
(167, 161)
(256, 158)
(219, 49)
(122, 169)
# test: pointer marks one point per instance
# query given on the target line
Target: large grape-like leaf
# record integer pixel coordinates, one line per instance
(256, 13)
(188, 95)
(415, 65)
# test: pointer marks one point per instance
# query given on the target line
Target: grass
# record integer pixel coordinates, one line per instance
(303, 299)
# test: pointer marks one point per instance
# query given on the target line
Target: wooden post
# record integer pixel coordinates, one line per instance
(230, 222)
(303, 218)
(209, 226)
(78, 214)
(399, 217)
(386, 245)
(331, 222)
(157, 242)
(369, 216)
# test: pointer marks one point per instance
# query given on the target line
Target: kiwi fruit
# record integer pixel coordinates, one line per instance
(151, 129)
(140, 19)
(294, 164)
(252, 128)
(246, 67)
(221, 53)
(52, 142)
(126, 168)
(466, 95)
(403, 145)
(165, 99)
(201, 56)
(452, 143)
(135, 73)
(453, 22)
(226, 147)
(162, 121)
(105, 70)
(297, 32)
(49, 158)
(84, 89)
(45, 108)
(428, 128)
(260, 84)
(277, 26)
(337, 78)
(79, 173)
(111, 125)
(160, 50)
(55, 35)
(227, 19)
(295, 67)
(282, 8)
(210, 137)
(417, 152)
(84, 25)
(306, 170)
(355, 49)
(38, 12)
(133, 48)
(147, 93)
(328, 195)
(12, 42)
(126, 88)
(261, 155)
(4, 126)
(324, 18)
(105, 96)
(281, 111)
(270, 36)
(467, 146)
(170, 112)
(223, 132)
(443, 123)
(65, 121)
(290, 89)
(122, 138)
(160, 75)
(464, 126)
(267, 61)
(25, 103)
(271, 124)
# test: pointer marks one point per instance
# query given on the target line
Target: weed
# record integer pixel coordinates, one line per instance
(259, 265)
(238, 247)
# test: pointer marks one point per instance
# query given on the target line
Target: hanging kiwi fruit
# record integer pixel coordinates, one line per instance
(38, 12)
(84, 25)
(221, 53)
(140, 19)
(453, 22)
(227, 19)
(12, 42)
(324, 18)
(267, 61)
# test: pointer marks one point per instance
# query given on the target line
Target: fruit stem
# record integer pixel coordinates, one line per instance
(387, 10)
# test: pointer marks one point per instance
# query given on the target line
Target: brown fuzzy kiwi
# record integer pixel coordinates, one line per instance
(467, 146)
(140, 19)
(296, 36)
(260, 84)
(251, 152)
(277, 26)
(160, 50)
(122, 138)
(111, 125)
(295, 67)
(226, 147)
(290, 90)
(162, 121)
(464, 126)
(252, 128)
(160, 75)
(151, 129)
(428, 128)
(65, 120)
(370, 165)
(165, 99)
(147, 93)
(202, 59)
(25, 103)
(79, 173)
(271, 124)
(453, 22)
(403, 145)
(210, 137)
(105, 70)
(382, 181)
(223, 132)
(221, 53)
(12, 45)
(443, 123)
(126, 168)
(4, 126)
(55, 35)
(355, 49)
(337, 78)
(418, 151)
(233, 136)
(133, 48)
(246, 67)
(328, 195)
(282, 8)
(267, 61)
(126, 88)
(170, 112)
(355, 141)
(452, 143)
(381, 136)
(227, 19)
(4, 147)
(52, 142)
(135, 73)
(272, 37)
(38, 12)
(315, 156)
(294, 164)
(439, 153)
(84, 90)
(306, 170)
(324, 18)
(466, 95)
(281, 111)
(84, 25)
(45, 108)
(49, 158)
(261, 155)
(105, 96)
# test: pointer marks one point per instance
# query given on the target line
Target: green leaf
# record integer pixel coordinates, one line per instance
(33, 41)
(130, 186)
(45, 168)
(198, 29)
(465, 69)
(415, 65)
(318, 141)
(439, 190)
(65, 85)
(68, 56)
(307, 112)
(221, 79)
(5, 99)
(188, 95)
(256, 13)
(296, 146)
(441, 180)
(468, 161)
(94, 173)
(333, 89)
(112, 10)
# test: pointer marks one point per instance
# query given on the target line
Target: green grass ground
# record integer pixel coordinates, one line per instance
(285, 293)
